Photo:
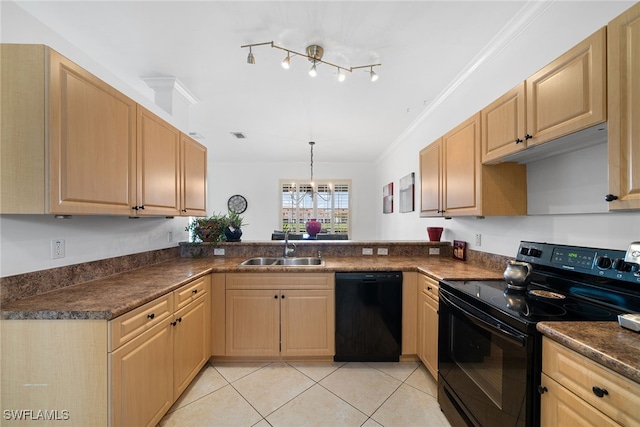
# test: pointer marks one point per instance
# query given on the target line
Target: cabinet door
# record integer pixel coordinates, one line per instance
(92, 143)
(431, 179)
(503, 125)
(624, 109)
(158, 166)
(569, 94)
(462, 168)
(190, 344)
(431, 335)
(141, 386)
(308, 323)
(194, 178)
(252, 323)
(560, 407)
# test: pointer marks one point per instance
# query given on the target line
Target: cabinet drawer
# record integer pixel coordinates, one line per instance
(128, 326)
(191, 292)
(428, 286)
(580, 375)
(280, 281)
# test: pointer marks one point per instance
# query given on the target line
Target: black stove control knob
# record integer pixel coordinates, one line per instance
(603, 263)
(534, 252)
(620, 265)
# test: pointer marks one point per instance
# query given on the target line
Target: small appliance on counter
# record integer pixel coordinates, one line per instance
(489, 350)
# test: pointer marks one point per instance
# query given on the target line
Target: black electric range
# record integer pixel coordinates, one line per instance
(489, 349)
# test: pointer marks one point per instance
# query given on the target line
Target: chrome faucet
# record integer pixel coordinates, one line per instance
(287, 250)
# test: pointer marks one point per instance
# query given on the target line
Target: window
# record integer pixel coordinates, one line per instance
(326, 201)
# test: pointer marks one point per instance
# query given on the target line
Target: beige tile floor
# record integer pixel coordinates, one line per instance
(309, 394)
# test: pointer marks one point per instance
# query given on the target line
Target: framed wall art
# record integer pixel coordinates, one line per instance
(387, 198)
(407, 193)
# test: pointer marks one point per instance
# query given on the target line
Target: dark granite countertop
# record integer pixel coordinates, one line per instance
(111, 296)
(607, 343)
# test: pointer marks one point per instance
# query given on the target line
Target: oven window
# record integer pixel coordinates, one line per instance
(479, 357)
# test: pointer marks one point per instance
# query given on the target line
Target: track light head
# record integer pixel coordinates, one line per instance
(286, 63)
(373, 74)
(251, 59)
(313, 72)
(341, 76)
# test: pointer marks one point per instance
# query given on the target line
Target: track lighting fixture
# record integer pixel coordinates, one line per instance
(314, 55)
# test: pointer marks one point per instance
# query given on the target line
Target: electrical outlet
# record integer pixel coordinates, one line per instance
(57, 249)
(170, 236)
(383, 251)
(218, 251)
(478, 239)
(367, 251)
(434, 251)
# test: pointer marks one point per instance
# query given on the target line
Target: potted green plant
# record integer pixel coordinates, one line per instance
(233, 229)
(209, 229)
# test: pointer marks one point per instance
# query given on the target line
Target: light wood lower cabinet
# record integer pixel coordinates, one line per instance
(428, 323)
(579, 391)
(141, 386)
(273, 315)
(148, 373)
(409, 314)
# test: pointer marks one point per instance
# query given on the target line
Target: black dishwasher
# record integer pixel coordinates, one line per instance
(368, 316)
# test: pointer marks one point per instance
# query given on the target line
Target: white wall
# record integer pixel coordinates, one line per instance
(538, 44)
(259, 183)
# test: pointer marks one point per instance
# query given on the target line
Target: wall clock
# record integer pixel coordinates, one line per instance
(237, 203)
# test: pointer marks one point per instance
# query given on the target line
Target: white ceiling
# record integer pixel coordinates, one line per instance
(425, 47)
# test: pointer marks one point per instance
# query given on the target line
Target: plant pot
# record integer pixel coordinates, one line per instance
(434, 233)
(232, 234)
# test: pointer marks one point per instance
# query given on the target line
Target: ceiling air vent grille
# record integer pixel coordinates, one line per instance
(238, 135)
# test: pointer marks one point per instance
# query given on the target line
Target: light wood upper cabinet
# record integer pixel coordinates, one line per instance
(72, 144)
(569, 94)
(624, 109)
(503, 125)
(158, 166)
(194, 177)
(84, 161)
(431, 179)
(461, 168)
(464, 186)
(566, 96)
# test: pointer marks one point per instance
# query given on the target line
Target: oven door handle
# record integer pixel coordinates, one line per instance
(514, 338)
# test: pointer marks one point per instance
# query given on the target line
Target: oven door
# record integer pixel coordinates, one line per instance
(483, 368)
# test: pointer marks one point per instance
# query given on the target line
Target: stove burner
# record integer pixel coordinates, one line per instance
(546, 294)
(588, 310)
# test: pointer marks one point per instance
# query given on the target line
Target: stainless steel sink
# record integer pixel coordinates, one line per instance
(259, 261)
(284, 261)
(300, 261)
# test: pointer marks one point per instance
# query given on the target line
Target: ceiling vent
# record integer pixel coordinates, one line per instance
(238, 135)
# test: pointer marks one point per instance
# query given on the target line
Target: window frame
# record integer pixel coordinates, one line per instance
(301, 219)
